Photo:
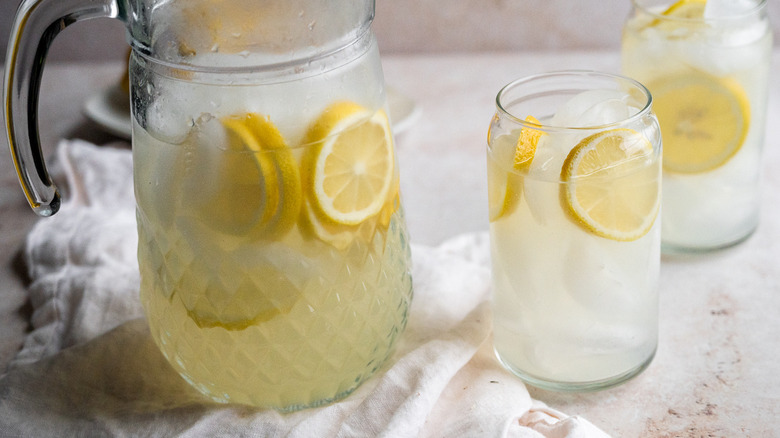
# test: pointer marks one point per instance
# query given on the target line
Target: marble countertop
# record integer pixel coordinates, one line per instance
(717, 369)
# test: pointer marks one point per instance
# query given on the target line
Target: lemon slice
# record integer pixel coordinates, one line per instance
(676, 16)
(498, 187)
(337, 235)
(704, 120)
(527, 144)
(350, 165)
(392, 205)
(239, 302)
(504, 202)
(686, 9)
(241, 286)
(252, 190)
(256, 190)
(609, 186)
(341, 236)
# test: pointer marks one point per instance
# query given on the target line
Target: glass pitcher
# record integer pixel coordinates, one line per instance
(274, 258)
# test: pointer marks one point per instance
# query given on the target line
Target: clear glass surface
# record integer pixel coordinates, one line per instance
(275, 264)
(708, 70)
(288, 315)
(575, 305)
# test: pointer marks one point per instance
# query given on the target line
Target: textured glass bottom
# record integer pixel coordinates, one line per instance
(566, 386)
(699, 248)
(284, 325)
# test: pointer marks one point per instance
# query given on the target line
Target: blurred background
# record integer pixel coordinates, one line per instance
(418, 26)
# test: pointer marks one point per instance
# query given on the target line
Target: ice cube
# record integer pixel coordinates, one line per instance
(600, 280)
(547, 159)
(592, 108)
(606, 112)
(544, 203)
(715, 9)
(727, 44)
(167, 122)
(726, 49)
(740, 27)
(589, 108)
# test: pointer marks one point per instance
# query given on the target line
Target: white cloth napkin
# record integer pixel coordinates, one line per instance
(90, 368)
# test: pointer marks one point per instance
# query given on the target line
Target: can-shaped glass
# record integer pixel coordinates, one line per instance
(707, 66)
(574, 181)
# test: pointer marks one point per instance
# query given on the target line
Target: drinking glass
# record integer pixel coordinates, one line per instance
(707, 66)
(574, 179)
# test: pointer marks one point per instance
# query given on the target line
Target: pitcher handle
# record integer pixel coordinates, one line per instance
(36, 24)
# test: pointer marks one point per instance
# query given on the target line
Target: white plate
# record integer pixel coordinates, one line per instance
(403, 110)
(111, 111)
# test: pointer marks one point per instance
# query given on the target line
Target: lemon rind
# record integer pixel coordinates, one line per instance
(578, 215)
(322, 138)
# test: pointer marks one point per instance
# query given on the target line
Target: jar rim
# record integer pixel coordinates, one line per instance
(643, 112)
(643, 6)
(281, 71)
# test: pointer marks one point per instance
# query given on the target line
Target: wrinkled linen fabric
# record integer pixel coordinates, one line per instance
(90, 368)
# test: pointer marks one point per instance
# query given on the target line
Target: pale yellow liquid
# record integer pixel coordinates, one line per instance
(571, 310)
(719, 207)
(285, 322)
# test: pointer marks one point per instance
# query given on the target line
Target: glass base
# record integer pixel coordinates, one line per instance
(593, 385)
(672, 248)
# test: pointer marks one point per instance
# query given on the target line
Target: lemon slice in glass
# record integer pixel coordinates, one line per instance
(609, 188)
(504, 202)
(349, 168)
(704, 120)
(686, 9)
(527, 144)
(679, 17)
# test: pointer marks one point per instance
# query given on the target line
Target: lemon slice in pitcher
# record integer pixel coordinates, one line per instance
(350, 166)
(232, 302)
(257, 191)
(251, 189)
(609, 189)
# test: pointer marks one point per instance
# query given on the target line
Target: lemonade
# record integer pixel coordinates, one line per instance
(574, 194)
(707, 65)
(275, 265)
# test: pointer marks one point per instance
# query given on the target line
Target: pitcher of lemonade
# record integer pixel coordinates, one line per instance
(275, 264)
